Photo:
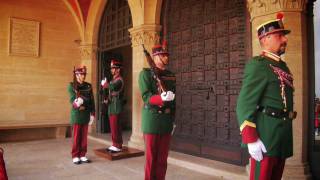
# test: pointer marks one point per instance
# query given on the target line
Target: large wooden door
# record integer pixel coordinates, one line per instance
(208, 46)
(313, 14)
(114, 42)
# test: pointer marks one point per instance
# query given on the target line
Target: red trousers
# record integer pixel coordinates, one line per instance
(116, 133)
(80, 140)
(3, 172)
(157, 149)
(270, 168)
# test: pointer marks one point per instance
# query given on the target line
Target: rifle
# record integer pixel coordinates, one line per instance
(105, 74)
(76, 86)
(75, 83)
(155, 71)
(103, 92)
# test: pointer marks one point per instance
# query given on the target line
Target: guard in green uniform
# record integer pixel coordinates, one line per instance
(115, 104)
(82, 114)
(265, 104)
(157, 114)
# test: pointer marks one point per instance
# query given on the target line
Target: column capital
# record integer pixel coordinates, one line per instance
(88, 54)
(264, 7)
(87, 51)
(145, 34)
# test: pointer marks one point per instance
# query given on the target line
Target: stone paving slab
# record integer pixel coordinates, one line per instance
(51, 159)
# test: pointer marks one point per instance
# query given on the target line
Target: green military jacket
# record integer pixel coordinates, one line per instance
(115, 99)
(155, 119)
(81, 115)
(261, 87)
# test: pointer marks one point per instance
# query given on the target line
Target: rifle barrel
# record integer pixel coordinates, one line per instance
(154, 70)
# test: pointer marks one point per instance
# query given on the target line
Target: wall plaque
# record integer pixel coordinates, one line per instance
(24, 37)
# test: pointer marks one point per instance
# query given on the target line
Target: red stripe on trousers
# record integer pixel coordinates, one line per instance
(157, 149)
(116, 133)
(271, 168)
(80, 142)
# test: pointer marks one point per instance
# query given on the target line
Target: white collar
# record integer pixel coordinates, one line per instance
(271, 55)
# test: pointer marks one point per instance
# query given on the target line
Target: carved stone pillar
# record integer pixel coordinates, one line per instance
(296, 57)
(147, 35)
(88, 54)
(88, 58)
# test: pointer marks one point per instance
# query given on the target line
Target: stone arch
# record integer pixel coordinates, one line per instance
(139, 17)
(93, 21)
(76, 18)
(145, 12)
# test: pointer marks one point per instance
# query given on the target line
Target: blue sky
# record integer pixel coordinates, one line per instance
(317, 45)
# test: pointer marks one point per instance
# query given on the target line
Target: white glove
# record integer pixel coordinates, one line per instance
(255, 150)
(167, 96)
(103, 81)
(78, 101)
(91, 119)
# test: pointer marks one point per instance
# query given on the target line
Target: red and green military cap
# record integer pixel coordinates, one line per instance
(158, 50)
(115, 63)
(272, 26)
(80, 70)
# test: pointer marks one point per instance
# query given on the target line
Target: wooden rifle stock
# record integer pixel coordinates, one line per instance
(155, 71)
(75, 83)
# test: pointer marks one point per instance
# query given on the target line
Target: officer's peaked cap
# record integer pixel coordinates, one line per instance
(272, 26)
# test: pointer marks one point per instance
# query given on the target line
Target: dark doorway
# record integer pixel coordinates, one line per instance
(114, 42)
(313, 22)
(208, 43)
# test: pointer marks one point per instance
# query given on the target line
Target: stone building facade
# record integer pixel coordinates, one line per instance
(34, 88)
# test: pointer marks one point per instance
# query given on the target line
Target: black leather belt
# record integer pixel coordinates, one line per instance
(277, 113)
(159, 111)
(164, 111)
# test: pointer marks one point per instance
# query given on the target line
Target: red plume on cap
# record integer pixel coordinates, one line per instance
(280, 15)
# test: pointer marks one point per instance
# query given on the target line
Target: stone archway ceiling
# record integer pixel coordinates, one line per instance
(81, 8)
(84, 5)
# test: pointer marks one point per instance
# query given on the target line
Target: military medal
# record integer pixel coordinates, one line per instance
(285, 79)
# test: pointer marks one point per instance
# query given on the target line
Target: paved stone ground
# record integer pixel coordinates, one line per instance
(51, 159)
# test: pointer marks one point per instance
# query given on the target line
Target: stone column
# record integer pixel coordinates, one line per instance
(296, 57)
(88, 58)
(88, 54)
(147, 35)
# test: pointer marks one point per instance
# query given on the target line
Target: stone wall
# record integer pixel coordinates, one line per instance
(34, 89)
